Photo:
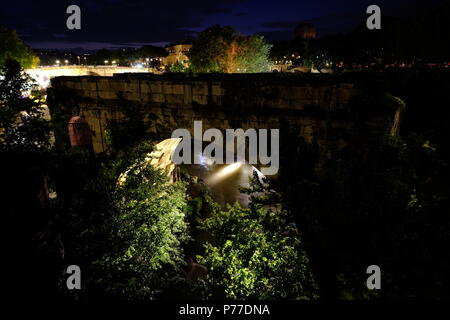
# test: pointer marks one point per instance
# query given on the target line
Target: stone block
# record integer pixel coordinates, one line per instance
(156, 87)
(298, 104)
(110, 95)
(167, 88)
(74, 85)
(117, 85)
(132, 86)
(178, 89)
(144, 87)
(199, 88)
(103, 84)
(217, 100)
(200, 99)
(176, 100)
(217, 90)
(157, 97)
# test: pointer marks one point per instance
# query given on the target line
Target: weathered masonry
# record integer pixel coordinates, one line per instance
(327, 109)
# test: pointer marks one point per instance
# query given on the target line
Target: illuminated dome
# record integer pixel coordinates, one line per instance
(305, 31)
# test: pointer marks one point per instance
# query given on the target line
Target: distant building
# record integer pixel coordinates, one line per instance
(177, 53)
(305, 30)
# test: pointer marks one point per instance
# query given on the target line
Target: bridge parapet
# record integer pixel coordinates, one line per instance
(43, 74)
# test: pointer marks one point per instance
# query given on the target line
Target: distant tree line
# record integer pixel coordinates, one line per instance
(126, 56)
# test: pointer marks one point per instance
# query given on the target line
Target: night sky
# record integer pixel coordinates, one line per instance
(123, 23)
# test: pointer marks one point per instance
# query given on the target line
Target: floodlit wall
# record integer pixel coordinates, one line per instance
(317, 107)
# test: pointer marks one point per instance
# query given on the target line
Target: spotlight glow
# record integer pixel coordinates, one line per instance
(226, 171)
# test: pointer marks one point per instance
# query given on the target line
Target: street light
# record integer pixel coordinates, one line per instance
(106, 61)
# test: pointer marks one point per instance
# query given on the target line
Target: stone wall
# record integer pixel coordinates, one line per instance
(317, 107)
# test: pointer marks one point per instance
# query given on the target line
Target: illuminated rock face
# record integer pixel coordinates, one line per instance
(160, 158)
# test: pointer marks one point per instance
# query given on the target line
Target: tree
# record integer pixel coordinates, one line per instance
(178, 67)
(255, 254)
(24, 156)
(12, 47)
(222, 49)
(146, 228)
(21, 112)
(128, 236)
(253, 55)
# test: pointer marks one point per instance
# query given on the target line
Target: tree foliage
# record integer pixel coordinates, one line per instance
(146, 229)
(222, 49)
(12, 47)
(179, 67)
(255, 254)
(128, 236)
(24, 155)
(22, 123)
